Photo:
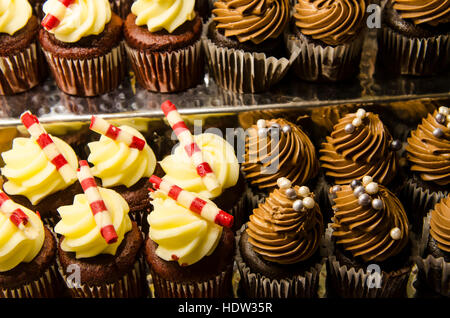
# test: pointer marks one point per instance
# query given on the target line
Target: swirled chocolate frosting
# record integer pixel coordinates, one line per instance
(365, 152)
(333, 22)
(440, 224)
(428, 155)
(431, 12)
(252, 20)
(282, 235)
(290, 155)
(366, 232)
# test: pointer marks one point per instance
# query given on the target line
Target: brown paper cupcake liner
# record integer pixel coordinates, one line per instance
(257, 285)
(217, 287)
(22, 71)
(140, 217)
(46, 286)
(168, 72)
(131, 285)
(435, 272)
(244, 72)
(317, 63)
(88, 77)
(414, 56)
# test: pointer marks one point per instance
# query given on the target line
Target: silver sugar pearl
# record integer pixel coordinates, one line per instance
(395, 233)
(377, 204)
(358, 191)
(355, 183)
(335, 188)
(396, 145)
(297, 205)
(309, 203)
(287, 129)
(291, 193)
(364, 199)
(349, 128)
(444, 110)
(372, 188)
(438, 133)
(440, 118)
(284, 183)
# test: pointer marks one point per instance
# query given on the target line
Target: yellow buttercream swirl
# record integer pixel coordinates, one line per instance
(181, 235)
(15, 246)
(167, 14)
(81, 232)
(217, 152)
(30, 173)
(14, 15)
(82, 18)
(117, 164)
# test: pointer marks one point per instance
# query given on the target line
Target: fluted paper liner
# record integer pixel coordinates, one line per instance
(414, 56)
(168, 72)
(216, 287)
(46, 286)
(88, 77)
(435, 272)
(257, 285)
(22, 71)
(317, 63)
(244, 72)
(131, 285)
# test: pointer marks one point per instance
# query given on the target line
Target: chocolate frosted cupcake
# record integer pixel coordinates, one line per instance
(28, 264)
(165, 50)
(370, 230)
(125, 170)
(32, 180)
(107, 269)
(360, 145)
(276, 148)
(415, 38)
(188, 256)
(277, 254)
(82, 44)
(22, 64)
(434, 267)
(428, 155)
(244, 44)
(329, 35)
(231, 196)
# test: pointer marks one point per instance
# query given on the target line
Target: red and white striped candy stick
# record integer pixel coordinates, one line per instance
(53, 19)
(192, 149)
(96, 203)
(188, 200)
(47, 145)
(15, 215)
(101, 126)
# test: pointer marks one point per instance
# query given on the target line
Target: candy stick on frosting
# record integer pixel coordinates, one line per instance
(47, 145)
(188, 200)
(96, 203)
(192, 149)
(101, 126)
(53, 18)
(15, 215)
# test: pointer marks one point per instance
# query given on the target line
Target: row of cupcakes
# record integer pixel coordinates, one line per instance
(324, 42)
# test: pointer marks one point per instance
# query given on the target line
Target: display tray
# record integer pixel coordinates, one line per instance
(373, 85)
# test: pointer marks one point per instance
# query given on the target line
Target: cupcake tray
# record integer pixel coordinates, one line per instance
(373, 85)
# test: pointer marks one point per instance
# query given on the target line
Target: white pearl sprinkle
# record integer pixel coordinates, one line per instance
(361, 113)
(366, 180)
(308, 203)
(444, 110)
(284, 183)
(297, 205)
(261, 123)
(395, 233)
(372, 188)
(304, 191)
(357, 122)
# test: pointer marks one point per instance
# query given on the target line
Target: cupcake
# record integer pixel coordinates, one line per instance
(165, 49)
(428, 155)
(244, 44)
(32, 180)
(28, 263)
(107, 268)
(370, 232)
(21, 60)
(219, 154)
(434, 267)
(277, 253)
(330, 36)
(125, 170)
(188, 256)
(83, 46)
(277, 148)
(415, 37)
(121, 7)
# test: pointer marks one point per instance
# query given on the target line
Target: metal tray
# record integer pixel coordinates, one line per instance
(373, 85)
